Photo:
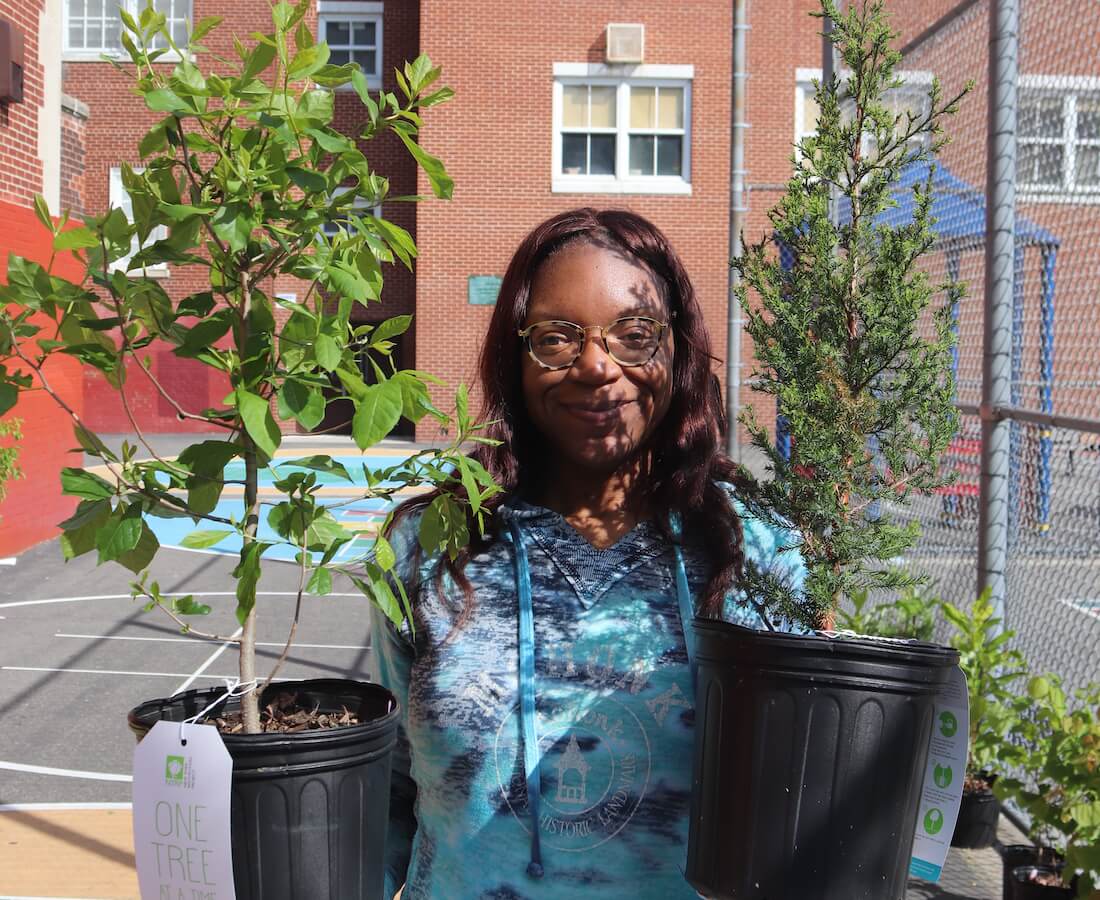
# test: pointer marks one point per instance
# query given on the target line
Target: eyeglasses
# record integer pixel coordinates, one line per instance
(630, 341)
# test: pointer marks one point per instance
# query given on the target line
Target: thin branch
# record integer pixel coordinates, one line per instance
(186, 627)
(294, 623)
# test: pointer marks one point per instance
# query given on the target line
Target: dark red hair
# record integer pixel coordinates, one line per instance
(686, 459)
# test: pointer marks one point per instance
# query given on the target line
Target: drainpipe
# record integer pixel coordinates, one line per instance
(1000, 273)
(738, 209)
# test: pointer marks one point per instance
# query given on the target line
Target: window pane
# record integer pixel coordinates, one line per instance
(359, 34)
(179, 32)
(1088, 167)
(1088, 117)
(339, 57)
(94, 36)
(641, 154)
(337, 32)
(367, 61)
(574, 149)
(643, 107)
(112, 35)
(670, 108)
(76, 36)
(95, 8)
(365, 34)
(669, 153)
(602, 99)
(574, 106)
(76, 9)
(1040, 116)
(602, 159)
(1040, 163)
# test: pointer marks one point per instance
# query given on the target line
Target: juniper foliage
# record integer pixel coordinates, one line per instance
(853, 337)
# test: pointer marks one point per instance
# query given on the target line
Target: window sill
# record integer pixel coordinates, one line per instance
(97, 56)
(573, 185)
(374, 83)
(154, 273)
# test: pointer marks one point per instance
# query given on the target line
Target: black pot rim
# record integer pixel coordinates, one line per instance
(143, 716)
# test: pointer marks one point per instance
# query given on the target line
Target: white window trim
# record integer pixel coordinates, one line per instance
(621, 78)
(116, 191)
(360, 206)
(1067, 87)
(134, 7)
(357, 11)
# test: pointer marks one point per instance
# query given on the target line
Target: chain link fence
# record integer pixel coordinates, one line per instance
(1052, 573)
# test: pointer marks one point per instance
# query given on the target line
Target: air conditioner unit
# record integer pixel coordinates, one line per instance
(625, 43)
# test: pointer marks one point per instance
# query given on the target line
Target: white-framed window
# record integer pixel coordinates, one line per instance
(353, 32)
(622, 129)
(1058, 138)
(93, 27)
(120, 199)
(911, 97)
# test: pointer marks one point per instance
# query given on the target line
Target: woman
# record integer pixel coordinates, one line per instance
(546, 743)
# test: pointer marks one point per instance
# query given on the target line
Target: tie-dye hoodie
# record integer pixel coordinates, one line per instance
(613, 718)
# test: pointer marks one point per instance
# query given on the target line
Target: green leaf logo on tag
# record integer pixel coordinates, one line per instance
(948, 724)
(942, 775)
(173, 770)
(933, 820)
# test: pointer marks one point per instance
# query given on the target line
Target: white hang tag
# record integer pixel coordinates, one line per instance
(181, 814)
(944, 774)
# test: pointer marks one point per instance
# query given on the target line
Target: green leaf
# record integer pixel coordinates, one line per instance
(309, 181)
(258, 60)
(391, 328)
(164, 100)
(320, 464)
(79, 483)
(247, 574)
(188, 606)
(384, 554)
(473, 492)
(304, 404)
(442, 183)
(307, 61)
(77, 238)
(199, 540)
(233, 223)
(81, 529)
(320, 582)
(205, 26)
(332, 143)
(143, 552)
(9, 394)
(258, 421)
(42, 212)
(119, 534)
(327, 352)
(376, 414)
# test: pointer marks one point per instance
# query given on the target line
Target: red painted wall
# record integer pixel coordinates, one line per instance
(34, 504)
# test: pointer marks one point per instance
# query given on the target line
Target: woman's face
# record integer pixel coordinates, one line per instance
(597, 413)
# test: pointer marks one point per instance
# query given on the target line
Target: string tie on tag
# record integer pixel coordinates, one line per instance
(233, 688)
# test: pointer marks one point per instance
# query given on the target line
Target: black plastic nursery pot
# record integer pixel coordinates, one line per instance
(1013, 856)
(1024, 886)
(308, 810)
(809, 762)
(976, 827)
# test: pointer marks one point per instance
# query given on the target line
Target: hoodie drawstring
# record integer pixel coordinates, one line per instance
(527, 695)
(527, 670)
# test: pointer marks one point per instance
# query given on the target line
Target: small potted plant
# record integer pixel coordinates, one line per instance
(910, 615)
(1055, 742)
(243, 171)
(993, 669)
(811, 748)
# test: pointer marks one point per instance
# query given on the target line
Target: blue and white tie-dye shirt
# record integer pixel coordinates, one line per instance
(614, 717)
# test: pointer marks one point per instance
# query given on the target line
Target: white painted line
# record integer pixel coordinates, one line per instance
(66, 773)
(102, 672)
(60, 807)
(213, 656)
(21, 897)
(8, 561)
(170, 594)
(196, 640)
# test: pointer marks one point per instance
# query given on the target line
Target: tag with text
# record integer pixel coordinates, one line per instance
(944, 774)
(181, 814)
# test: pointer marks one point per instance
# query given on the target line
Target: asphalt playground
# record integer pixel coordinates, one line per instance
(76, 652)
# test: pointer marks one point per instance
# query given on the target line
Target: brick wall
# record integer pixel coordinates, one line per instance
(34, 504)
(74, 118)
(20, 167)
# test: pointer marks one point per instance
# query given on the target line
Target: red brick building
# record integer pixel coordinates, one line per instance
(546, 117)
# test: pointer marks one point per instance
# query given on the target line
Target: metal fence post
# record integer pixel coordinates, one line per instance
(738, 208)
(1000, 234)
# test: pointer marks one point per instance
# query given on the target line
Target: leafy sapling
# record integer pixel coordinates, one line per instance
(242, 173)
(852, 337)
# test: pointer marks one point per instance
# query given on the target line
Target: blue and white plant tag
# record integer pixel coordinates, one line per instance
(182, 777)
(943, 779)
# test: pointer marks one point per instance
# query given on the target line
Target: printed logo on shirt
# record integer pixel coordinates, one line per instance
(595, 767)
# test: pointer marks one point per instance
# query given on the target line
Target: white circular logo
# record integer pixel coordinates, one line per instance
(595, 767)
